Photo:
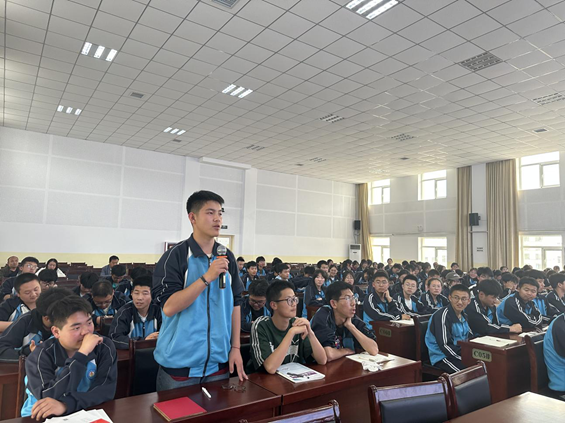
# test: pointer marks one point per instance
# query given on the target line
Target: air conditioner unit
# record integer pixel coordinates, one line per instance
(355, 252)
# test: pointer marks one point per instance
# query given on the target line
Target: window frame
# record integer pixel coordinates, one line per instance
(382, 247)
(421, 247)
(543, 249)
(422, 180)
(382, 186)
(541, 165)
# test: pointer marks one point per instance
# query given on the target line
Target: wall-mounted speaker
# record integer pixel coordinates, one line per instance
(474, 219)
(357, 225)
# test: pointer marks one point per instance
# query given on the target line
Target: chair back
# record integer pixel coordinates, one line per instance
(311, 310)
(425, 402)
(420, 329)
(105, 323)
(326, 414)
(469, 389)
(142, 367)
(21, 387)
(539, 380)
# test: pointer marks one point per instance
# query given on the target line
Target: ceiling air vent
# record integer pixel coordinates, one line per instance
(404, 158)
(402, 137)
(331, 118)
(551, 98)
(540, 130)
(317, 160)
(255, 147)
(481, 61)
(136, 95)
(177, 140)
(226, 3)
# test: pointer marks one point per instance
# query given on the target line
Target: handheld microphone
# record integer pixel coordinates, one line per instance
(222, 251)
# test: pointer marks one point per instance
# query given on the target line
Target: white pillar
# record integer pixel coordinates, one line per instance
(479, 205)
(191, 184)
(249, 214)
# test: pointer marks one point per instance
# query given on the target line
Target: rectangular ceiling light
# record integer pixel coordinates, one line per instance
(168, 129)
(236, 92)
(60, 108)
(228, 89)
(69, 110)
(99, 52)
(86, 48)
(174, 131)
(368, 6)
(78, 111)
(111, 55)
(246, 93)
(382, 9)
(181, 132)
(354, 4)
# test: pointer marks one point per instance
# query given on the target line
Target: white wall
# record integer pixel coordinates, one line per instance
(401, 218)
(479, 235)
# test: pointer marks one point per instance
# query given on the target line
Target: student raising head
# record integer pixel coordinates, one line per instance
(379, 305)
(408, 303)
(254, 304)
(104, 300)
(28, 288)
(433, 297)
(315, 293)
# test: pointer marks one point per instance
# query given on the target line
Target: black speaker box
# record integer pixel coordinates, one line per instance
(357, 225)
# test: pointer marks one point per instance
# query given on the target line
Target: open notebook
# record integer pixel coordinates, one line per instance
(298, 373)
(494, 341)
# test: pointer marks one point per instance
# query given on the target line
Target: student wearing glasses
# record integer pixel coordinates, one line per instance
(27, 265)
(254, 304)
(283, 338)
(337, 327)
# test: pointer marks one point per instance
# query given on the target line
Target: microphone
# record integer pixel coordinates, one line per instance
(222, 251)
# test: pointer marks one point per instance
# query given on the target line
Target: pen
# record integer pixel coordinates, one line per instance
(206, 393)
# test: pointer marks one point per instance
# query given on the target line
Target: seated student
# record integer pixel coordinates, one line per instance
(337, 327)
(52, 264)
(433, 298)
(555, 298)
(282, 271)
(301, 282)
(554, 355)
(323, 265)
(241, 266)
(31, 328)
(332, 274)
(11, 268)
(424, 275)
(471, 278)
(126, 285)
(315, 293)
(104, 300)
(261, 271)
(520, 307)
(273, 273)
(283, 338)
(378, 304)
(28, 289)
(447, 326)
(119, 275)
(483, 319)
(250, 276)
(48, 279)
(107, 270)
(364, 277)
(253, 305)
(510, 283)
(451, 278)
(394, 270)
(357, 291)
(138, 319)
(74, 370)
(540, 299)
(407, 302)
(27, 265)
(86, 281)
(396, 287)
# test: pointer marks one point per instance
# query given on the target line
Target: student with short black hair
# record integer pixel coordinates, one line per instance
(283, 338)
(28, 288)
(274, 266)
(283, 271)
(407, 302)
(138, 319)
(394, 270)
(446, 328)
(555, 298)
(540, 301)
(48, 279)
(107, 270)
(118, 274)
(27, 265)
(337, 327)
(251, 274)
(315, 293)
(520, 307)
(510, 282)
(301, 282)
(86, 282)
(433, 298)
(241, 266)
(554, 355)
(31, 328)
(379, 305)
(261, 272)
(104, 300)
(332, 274)
(254, 305)
(74, 370)
(483, 319)
(323, 265)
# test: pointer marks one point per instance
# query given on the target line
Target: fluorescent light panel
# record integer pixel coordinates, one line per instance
(246, 93)
(168, 129)
(181, 132)
(60, 108)
(99, 52)
(86, 48)
(236, 92)
(382, 9)
(354, 4)
(369, 6)
(78, 111)
(228, 89)
(69, 110)
(174, 131)
(111, 55)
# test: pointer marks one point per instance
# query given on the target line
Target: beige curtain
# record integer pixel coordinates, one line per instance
(502, 214)
(464, 207)
(363, 207)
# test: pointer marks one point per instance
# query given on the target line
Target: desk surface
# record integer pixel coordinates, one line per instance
(524, 408)
(225, 405)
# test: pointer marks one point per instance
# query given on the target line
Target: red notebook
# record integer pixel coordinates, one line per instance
(176, 409)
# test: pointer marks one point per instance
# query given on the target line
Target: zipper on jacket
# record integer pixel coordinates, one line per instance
(208, 334)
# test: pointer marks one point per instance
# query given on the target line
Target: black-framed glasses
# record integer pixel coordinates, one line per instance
(257, 303)
(290, 301)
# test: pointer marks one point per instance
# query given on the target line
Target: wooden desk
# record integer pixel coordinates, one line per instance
(525, 408)
(345, 381)
(508, 368)
(225, 406)
(394, 338)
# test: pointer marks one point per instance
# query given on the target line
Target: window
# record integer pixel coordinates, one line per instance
(432, 185)
(433, 249)
(380, 192)
(542, 251)
(381, 249)
(539, 171)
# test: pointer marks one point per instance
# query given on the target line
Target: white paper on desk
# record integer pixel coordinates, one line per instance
(494, 341)
(81, 416)
(366, 357)
(534, 333)
(404, 322)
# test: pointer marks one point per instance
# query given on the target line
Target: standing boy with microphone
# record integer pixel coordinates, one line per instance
(197, 285)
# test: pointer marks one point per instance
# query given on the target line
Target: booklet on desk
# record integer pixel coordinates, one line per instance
(494, 341)
(296, 373)
(176, 409)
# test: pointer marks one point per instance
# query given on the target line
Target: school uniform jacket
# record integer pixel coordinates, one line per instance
(444, 331)
(513, 309)
(11, 309)
(301, 282)
(313, 297)
(428, 300)
(79, 382)
(246, 316)
(118, 300)
(203, 328)
(8, 287)
(555, 305)
(375, 309)
(15, 340)
(505, 293)
(125, 287)
(418, 308)
(554, 353)
(127, 324)
(484, 321)
(541, 303)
